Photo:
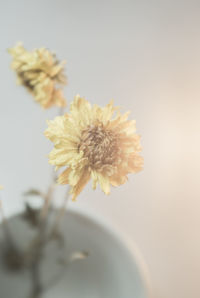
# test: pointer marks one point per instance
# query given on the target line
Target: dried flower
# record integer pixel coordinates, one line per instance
(93, 145)
(40, 72)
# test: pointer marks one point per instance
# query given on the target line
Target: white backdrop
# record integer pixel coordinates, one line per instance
(146, 55)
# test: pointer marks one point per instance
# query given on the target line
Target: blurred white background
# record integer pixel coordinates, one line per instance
(146, 56)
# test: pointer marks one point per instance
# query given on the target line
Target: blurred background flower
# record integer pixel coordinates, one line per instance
(40, 72)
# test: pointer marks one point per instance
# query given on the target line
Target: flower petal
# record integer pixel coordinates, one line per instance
(104, 183)
(83, 180)
(63, 178)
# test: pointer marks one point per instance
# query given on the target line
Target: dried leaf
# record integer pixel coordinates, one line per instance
(78, 255)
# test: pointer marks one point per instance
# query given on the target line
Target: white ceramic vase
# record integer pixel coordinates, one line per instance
(113, 269)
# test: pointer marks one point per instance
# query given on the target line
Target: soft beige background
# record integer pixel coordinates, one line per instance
(145, 55)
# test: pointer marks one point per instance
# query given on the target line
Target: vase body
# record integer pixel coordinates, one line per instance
(111, 269)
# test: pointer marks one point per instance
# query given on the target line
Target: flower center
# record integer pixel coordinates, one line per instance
(99, 146)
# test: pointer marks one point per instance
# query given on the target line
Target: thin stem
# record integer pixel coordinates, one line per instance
(60, 213)
(47, 201)
(36, 246)
(39, 240)
(48, 197)
(34, 253)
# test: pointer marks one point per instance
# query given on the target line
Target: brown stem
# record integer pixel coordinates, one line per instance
(35, 248)
(60, 213)
(48, 197)
(47, 201)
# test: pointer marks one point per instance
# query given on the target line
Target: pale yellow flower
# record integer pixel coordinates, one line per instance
(1, 187)
(41, 73)
(93, 145)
